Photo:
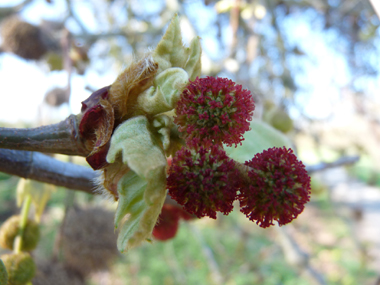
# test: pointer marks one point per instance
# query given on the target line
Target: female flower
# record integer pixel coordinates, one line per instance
(203, 180)
(168, 221)
(278, 189)
(214, 111)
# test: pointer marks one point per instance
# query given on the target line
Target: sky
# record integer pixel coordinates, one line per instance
(23, 85)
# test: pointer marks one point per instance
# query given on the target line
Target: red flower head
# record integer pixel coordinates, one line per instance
(203, 181)
(279, 187)
(215, 111)
(167, 223)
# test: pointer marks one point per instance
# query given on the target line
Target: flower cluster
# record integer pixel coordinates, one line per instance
(279, 188)
(273, 186)
(214, 111)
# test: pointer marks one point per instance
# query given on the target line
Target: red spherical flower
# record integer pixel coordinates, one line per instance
(167, 223)
(203, 180)
(279, 187)
(214, 110)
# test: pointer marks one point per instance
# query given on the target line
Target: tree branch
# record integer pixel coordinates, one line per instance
(297, 257)
(60, 138)
(346, 160)
(43, 168)
(7, 11)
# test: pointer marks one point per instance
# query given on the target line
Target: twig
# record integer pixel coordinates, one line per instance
(347, 160)
(43, 168)
(6, 11)
(76, 19)
(296, 257)
(67, 62)
(207, 252)
(234, 24)
(60, 138)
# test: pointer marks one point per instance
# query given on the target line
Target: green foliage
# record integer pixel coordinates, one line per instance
(3, 273)
(170, 52)
(142, 190)
(261, 136)
(165, 92)
(177, 65)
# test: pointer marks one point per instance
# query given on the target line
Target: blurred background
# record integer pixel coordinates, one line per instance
(313, 66)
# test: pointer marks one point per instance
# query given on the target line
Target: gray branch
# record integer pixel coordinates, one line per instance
(43, 168)
(296, 257)
(346, 160)
(60, 138)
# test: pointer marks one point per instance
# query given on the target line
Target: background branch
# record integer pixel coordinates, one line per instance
(10, 10)
(297, 257)
(345, 160)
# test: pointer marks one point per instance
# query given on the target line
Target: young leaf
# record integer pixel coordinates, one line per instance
(142, 190)
(170, 51)
(165, 92)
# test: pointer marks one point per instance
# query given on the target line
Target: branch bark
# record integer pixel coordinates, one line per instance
(60, 138)
(297, 257)
(346, 160)
(43, 168)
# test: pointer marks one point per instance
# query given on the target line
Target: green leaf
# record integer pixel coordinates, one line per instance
(163, 124)
(177, 65)
(261, 136)
(165, 92)
(193, 65)
(142, 190)
(170, 51)
(3, 273)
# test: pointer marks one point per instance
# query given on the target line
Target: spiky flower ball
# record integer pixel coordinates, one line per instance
(20, 267)
(203, 181)
(278, 189)
(9, 231)
(215, 111)
(88, 239)
(23, 39)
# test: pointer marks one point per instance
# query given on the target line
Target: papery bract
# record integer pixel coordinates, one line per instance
(96, 127)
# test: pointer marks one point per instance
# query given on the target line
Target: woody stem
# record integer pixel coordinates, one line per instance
(62, 138)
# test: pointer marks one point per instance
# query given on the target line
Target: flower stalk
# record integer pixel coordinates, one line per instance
(23, 220)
